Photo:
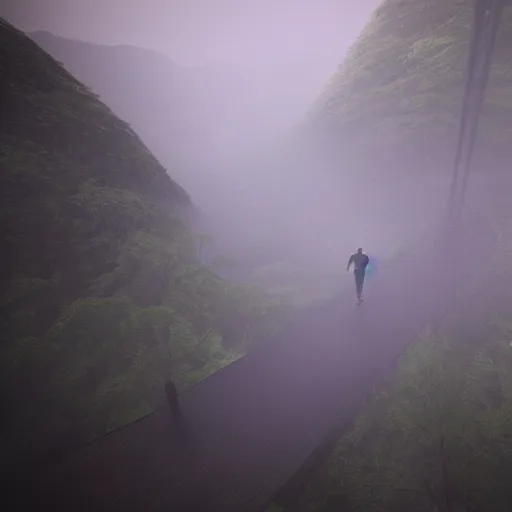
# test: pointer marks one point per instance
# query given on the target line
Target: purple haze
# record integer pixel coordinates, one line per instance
(242, 74)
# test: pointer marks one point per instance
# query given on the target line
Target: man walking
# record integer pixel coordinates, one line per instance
(360, 261)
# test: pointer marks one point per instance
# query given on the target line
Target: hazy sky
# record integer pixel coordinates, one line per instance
(257, 32)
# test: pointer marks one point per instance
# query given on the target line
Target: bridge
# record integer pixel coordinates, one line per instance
(248, 429)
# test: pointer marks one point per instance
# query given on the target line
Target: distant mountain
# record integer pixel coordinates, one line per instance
(141, 86)
(194, 119)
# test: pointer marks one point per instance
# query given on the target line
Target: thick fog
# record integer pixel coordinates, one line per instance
(263, 33)
(217, 89)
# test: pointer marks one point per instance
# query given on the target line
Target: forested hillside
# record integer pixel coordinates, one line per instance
(396, 99)
(103, 295)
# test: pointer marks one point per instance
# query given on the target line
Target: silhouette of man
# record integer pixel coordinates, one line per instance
(360, 261)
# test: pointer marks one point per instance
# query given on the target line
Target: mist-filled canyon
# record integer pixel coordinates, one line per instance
(182, 184)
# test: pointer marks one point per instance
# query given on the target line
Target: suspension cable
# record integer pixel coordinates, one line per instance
(473, 49)
(488, 43)
(487, 16)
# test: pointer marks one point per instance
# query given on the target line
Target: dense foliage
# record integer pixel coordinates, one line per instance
(103, 294)
(398, 93)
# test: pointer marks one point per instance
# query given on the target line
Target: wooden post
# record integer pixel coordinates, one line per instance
(172, 398)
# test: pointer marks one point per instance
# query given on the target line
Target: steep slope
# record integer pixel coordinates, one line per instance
(198, 116)
(141, 86)
(396, 99)
(63, 153)
(103, 297)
